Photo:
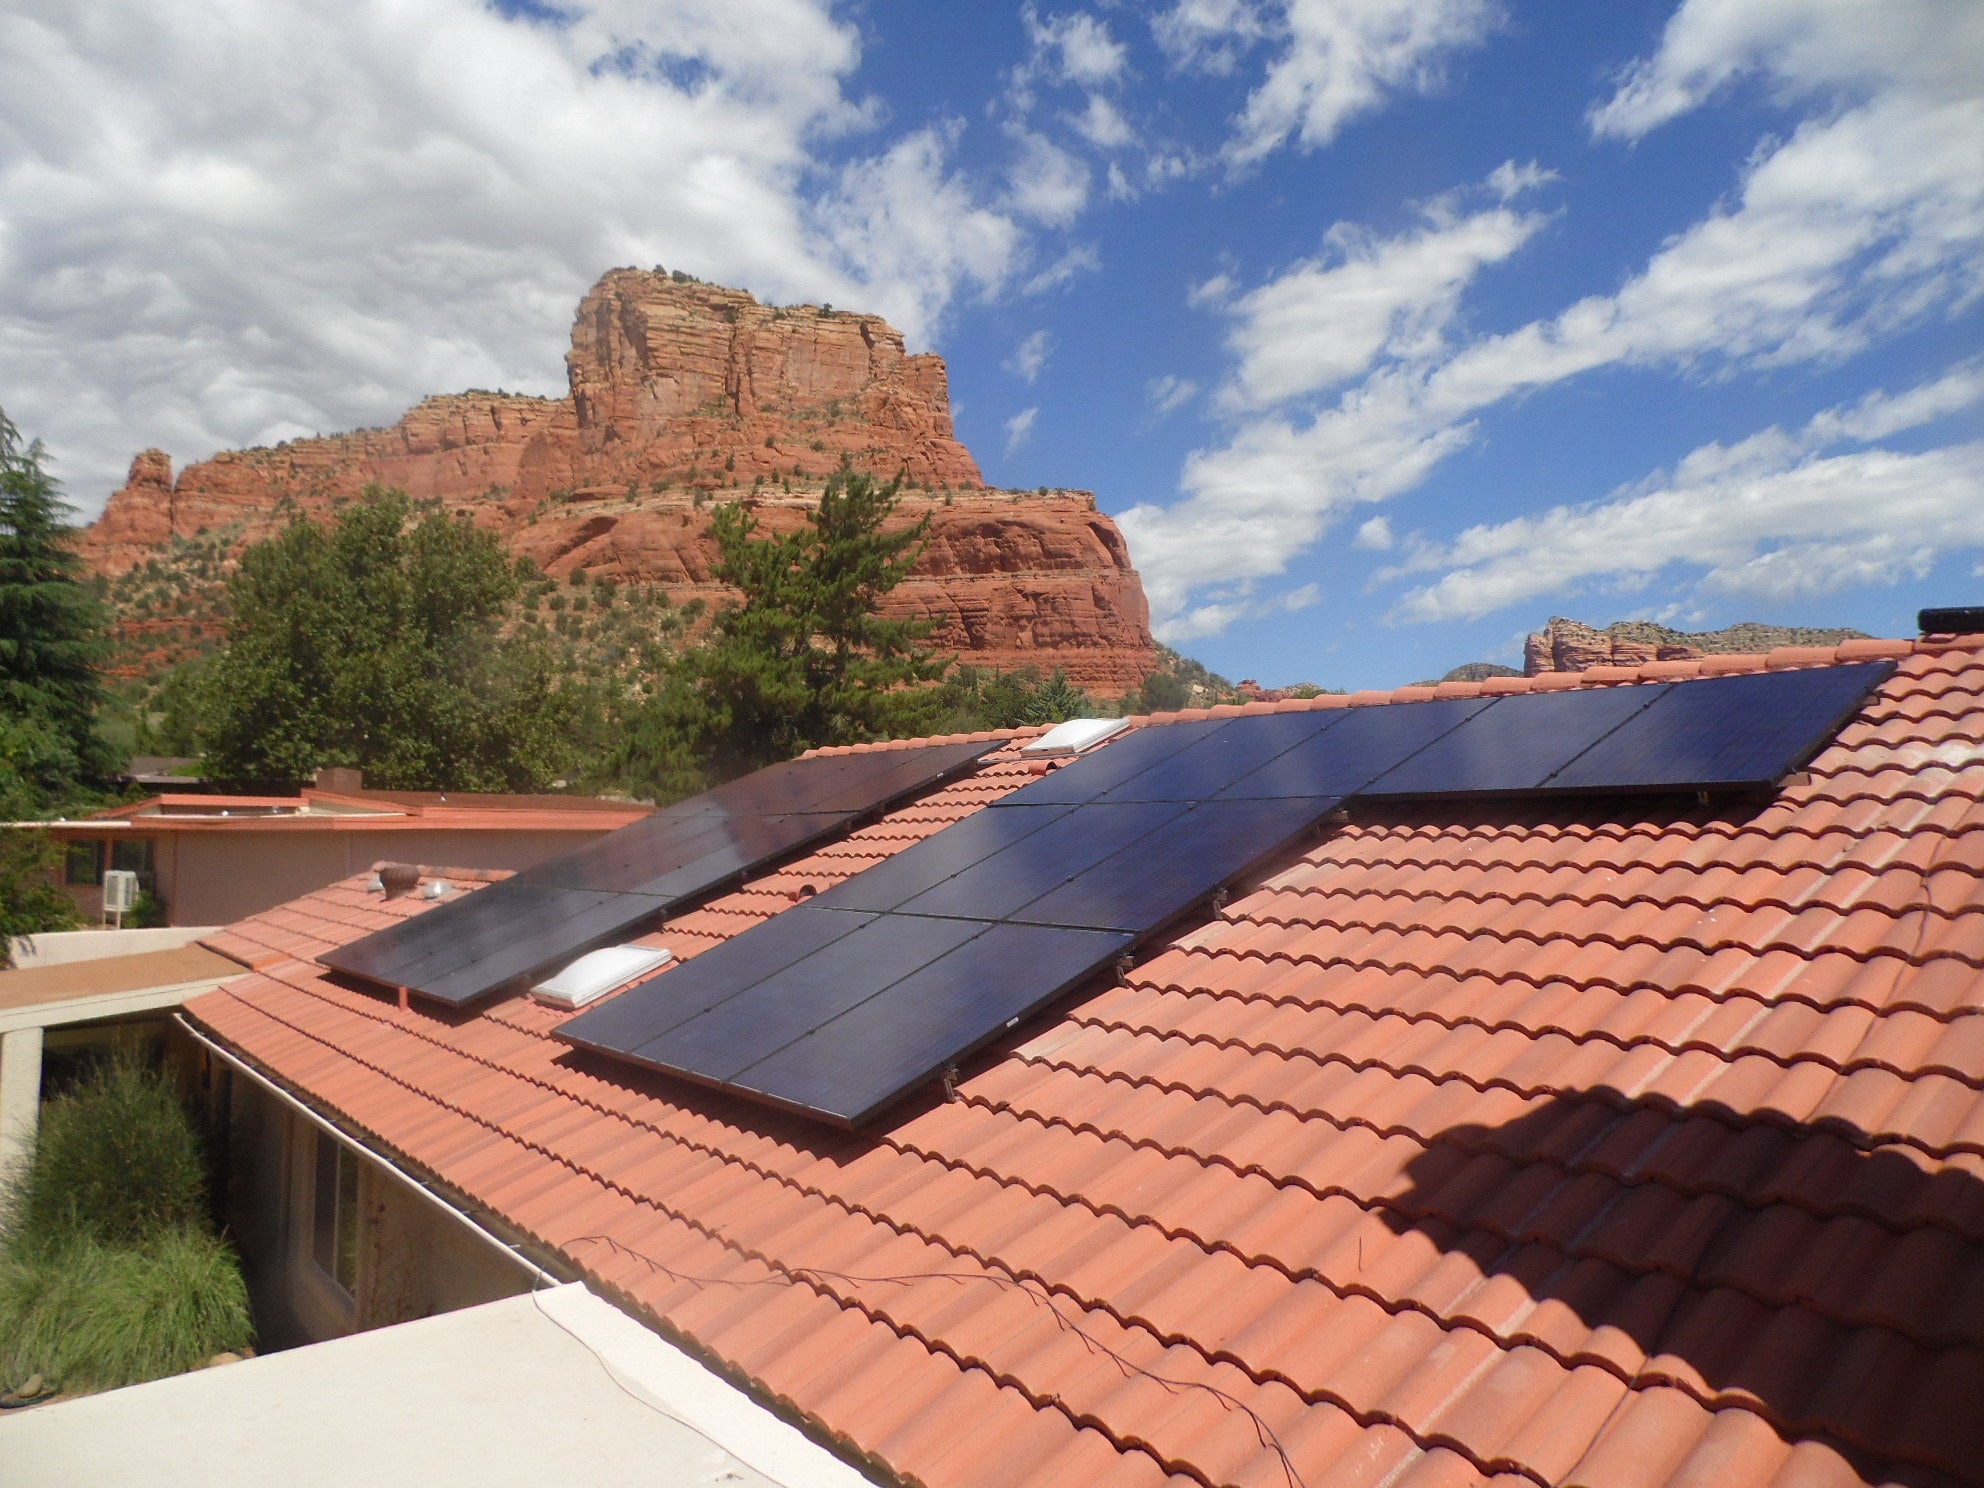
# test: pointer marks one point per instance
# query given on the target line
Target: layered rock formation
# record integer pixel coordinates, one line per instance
(1570, 646)
(684, 393)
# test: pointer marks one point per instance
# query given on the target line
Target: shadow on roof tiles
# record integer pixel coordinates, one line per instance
(1833, 1285)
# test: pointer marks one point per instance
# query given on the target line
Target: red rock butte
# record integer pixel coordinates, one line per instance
(685, 394)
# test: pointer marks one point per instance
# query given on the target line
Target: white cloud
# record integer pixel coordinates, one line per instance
(1046, 183)
(1208, 35)
(1019, 430)
(1327, 319)
(237, 222)
(1866, 219)
(1801, 46)
(1376, 535)
(1169, 394)
(1102, 124)
(1814, 527)
(1339, 59)
(1214, 291)
(1080, 259)
(1030, 356)
(1212, 618)
(1076, 48)
(1774, 516)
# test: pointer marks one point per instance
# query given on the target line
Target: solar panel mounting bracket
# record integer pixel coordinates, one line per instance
(949, 1080)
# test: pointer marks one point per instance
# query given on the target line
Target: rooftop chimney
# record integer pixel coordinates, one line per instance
(341, 778)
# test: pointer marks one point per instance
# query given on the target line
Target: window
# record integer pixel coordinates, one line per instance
(83, 863)
(334, 1217)
(135, 856)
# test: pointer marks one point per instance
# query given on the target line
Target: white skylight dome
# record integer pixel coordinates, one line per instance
(599, 972)
(1074, 736)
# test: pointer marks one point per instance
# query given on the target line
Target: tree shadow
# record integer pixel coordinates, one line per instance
(1825, 1280)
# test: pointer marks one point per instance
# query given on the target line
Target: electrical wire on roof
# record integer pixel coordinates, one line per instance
(642, 1397)
(1033, 1292)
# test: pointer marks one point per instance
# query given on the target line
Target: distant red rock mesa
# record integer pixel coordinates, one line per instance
(685, 394)
(1565, 645)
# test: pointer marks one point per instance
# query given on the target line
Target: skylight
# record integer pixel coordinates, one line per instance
(599, 972)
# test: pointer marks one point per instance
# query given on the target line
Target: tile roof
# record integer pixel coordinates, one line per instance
(1609, 1143)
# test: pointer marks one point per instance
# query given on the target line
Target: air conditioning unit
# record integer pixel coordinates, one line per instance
(120, 891)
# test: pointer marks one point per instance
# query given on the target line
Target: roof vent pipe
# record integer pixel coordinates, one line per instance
(399, 878)
(1962, 620)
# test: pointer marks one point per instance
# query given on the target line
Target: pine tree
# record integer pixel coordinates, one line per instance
(805, 660)
(52, 637)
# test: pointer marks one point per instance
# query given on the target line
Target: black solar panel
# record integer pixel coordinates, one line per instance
(1120, 760)
(1725, 732)
(995, 888)
(756, 1021)
(1149, 883)
(893, 1035)
(840, 1007)
(597, 893)
(1358, 746)
(1515, 743)
(935, 859)
(1230, 752)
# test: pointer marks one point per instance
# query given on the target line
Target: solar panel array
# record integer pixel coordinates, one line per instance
(840, 1007)
(541, 918)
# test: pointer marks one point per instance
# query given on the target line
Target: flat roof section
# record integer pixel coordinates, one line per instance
(555, 1386)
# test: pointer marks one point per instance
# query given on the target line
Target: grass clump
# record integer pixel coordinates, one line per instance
(110, 1270)
(92, 1316)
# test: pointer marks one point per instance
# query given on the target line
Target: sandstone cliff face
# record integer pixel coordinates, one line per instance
(684, 394)
(1569, 646)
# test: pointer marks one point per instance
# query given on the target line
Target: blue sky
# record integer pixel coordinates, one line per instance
(1387, 328)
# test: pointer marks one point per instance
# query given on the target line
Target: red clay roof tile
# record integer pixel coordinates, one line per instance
(1610, 1143)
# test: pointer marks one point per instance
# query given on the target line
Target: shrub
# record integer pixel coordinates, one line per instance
(110, 1272)
(117, 1160)
(94, 1317)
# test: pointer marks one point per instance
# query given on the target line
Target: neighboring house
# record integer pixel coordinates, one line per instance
(211, 859)
(1619, 1141)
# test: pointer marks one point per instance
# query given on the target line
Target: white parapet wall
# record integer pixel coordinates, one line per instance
(65, 946)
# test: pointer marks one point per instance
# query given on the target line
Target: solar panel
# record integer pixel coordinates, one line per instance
(754, 1022)
(694, 986)
(1089, 776)
(935, 859)
(1515, 743)
(1147, 884)
(1229, 753)
(848, 1066)
(1360, 745)
(840, 1007)
(545, 915)
(995, 887)
(1725, 732)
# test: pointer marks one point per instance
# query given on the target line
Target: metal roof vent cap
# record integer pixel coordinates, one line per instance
(1960, 620)
(1074, 736)
(374, 885)
(399, 878)
(599, 972)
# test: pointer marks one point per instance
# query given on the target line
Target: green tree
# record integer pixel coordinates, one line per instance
(52, 634)
(380, 642)
(805, 659)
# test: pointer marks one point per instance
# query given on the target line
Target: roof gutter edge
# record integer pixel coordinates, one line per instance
(539, 1276)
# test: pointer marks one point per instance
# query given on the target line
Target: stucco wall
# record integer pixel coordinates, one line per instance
(215, 878)
(414, 1261)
